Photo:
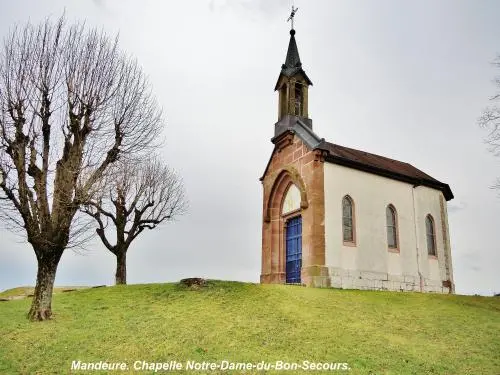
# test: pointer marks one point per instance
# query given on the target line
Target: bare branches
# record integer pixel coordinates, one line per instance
(71, 105)
(490, 118)
(140, 194)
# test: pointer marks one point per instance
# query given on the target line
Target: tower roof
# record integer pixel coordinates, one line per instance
(292, 55)
(292, 65)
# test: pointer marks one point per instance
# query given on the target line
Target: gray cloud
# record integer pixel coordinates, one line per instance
(456, 206)
(99, 3)
(261, 7)
(472, 260)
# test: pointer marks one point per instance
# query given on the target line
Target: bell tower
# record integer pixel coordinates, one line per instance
(292, 85)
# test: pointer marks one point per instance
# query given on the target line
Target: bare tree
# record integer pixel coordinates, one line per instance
(490, 119)
(138, 195)
(71, 103)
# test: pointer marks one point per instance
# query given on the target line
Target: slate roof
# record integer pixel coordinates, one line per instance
(381, 165)
(292, 64)
(356, 159)
(298, 125)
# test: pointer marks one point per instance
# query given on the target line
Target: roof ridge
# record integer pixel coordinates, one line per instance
(382, 165)
(371, 153)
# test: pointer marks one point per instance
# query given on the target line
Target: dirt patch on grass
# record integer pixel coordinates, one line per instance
(28, 291)
(193, 283)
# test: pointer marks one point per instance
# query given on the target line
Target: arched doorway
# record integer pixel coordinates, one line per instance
(285, 205)
(308, 203)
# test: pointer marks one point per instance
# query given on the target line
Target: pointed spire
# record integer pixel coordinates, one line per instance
(292, 65)
(292, 55)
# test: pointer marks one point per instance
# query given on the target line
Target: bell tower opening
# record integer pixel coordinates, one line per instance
(283, 101)
(299, 100)
(293, 85)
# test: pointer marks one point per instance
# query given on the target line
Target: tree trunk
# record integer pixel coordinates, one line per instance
(121, 267)
(41, 307)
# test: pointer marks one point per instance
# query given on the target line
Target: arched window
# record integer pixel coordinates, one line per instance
(348, 229)
(431, 235)
(392, 227)
(292, 200)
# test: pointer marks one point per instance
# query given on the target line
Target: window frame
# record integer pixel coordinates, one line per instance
(348, 198)
(394, 215)
(430, 218)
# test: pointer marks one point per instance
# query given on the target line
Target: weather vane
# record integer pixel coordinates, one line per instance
(292, 15)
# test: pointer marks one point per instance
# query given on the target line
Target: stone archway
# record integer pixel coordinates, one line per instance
(281, 182)
(273, 236)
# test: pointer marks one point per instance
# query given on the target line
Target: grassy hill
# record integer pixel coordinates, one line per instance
(374, 332)
(25, 291)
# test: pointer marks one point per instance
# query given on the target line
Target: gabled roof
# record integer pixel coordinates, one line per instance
(360, 160)
(382, 166)
(292, 65)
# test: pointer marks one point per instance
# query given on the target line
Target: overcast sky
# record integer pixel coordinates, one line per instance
(406, 80)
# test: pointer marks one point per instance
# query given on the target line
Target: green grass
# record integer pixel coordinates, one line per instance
(374, 332)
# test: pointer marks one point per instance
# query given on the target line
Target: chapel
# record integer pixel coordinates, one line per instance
(334, 216)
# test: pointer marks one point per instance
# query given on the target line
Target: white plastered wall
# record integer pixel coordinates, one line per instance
(369, 264)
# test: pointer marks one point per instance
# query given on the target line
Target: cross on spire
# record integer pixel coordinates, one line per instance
(292, 15)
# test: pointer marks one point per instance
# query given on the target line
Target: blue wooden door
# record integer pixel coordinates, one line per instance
(293, 249)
